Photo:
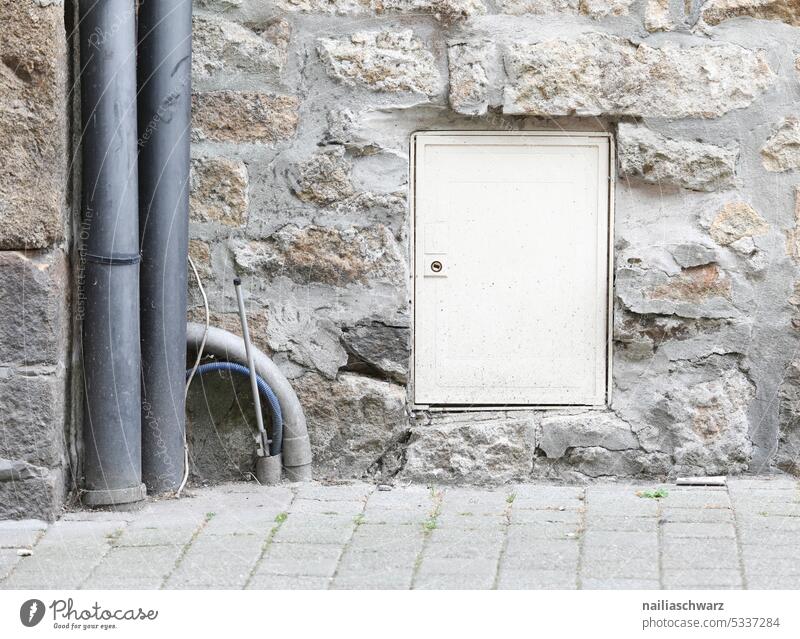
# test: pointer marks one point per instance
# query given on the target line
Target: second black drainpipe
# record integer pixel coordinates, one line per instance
(164, 70)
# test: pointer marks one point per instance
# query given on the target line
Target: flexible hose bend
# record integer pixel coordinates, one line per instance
(296, 451)
(264, 390)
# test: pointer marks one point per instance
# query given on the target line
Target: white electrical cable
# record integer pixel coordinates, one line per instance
(191, 375)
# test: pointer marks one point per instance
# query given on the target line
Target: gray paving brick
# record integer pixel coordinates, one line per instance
(458, 550)
(395, 580)
(701, 553)
(606, 541)
(465, 500)
(288, 582)
(408, 498)
(696, 515)
(773, 582)
(21, 534)
(620, 501)
(468, 520)
(714, 578)
(397, 517)
(702, 530)
(781, 560)
(547, 555)
(620, 567)
(137, 567)
(463, 566)
(619, 584)
(351, 492)
(55, 567)
(161, 536)
(514, 579)
(547, 495)
(368, 561)
(519, 516)
(454, 581)
(257, 521)
(8, 559)
(326, 507)
(220, 561)
(696, 498)
(622, 524)
(491, 536)
(387, 538)
(315, 529)
(310, 560)
(768, 509)
(750, 485)
(534, 532)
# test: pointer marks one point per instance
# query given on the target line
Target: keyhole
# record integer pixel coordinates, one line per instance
(436, 266)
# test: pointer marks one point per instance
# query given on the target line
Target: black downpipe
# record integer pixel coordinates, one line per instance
(165, 53)
(110, 329)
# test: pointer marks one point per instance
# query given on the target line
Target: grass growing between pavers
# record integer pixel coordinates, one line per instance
(185, 549)
(280, 518)
(428, 526)
(658, 493)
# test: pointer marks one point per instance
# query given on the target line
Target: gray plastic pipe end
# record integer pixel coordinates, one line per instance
(116, 497)
(298, 473)
(268, 470)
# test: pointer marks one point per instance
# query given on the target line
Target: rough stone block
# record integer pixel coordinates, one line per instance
(695, 292)
(336, 7)
(33, 418)
(33, 296)
(249, 116)
(324, 255)
(600, 74)
(716, 11)
(323, 179)
(657, 16)
(353, 421)
(222, 46)
(592, 8)
(782, 150)
(560, 432)
(30, 491)
(657, 159)
(392, 61)
(378, 349)
(469, 64)
(736, 221)
(603, 8)
(471, 451)
(219, 191)
(33, 125)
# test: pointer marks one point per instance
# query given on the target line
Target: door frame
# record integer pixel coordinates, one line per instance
(412, 185)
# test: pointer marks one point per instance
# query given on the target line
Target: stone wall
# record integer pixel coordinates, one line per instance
(34, 274)
(302, 115)
(303, 112)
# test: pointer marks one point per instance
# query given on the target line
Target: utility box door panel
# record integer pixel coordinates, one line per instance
(511, 269)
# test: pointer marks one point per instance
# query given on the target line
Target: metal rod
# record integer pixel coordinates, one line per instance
(165, 50)
(110, 328)
(237, 283)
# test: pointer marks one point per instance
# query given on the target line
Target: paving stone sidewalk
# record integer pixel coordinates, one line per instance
(354, 536)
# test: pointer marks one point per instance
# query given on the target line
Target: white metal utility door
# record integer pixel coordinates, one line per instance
(511, 269)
